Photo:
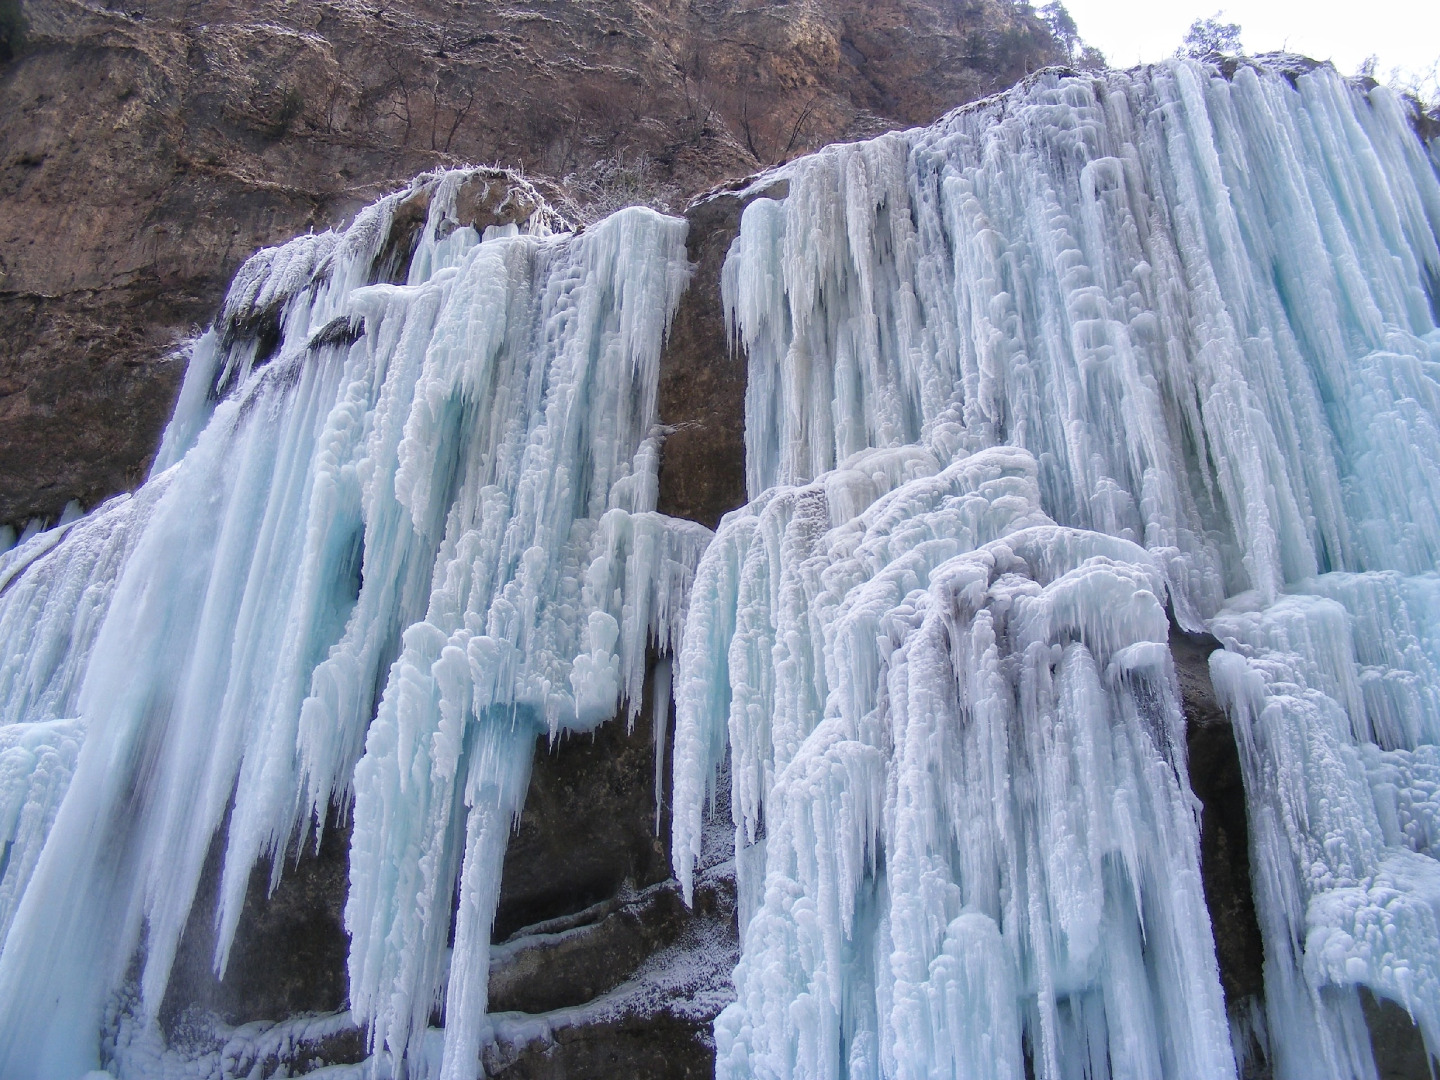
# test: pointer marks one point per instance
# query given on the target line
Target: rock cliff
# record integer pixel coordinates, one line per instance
(148, 146)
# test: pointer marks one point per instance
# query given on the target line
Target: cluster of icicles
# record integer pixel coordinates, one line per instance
(1027, 390)
(370, 569)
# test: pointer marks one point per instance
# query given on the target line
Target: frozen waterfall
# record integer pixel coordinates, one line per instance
(1096, 362)
(1024, 387)
(374, 566)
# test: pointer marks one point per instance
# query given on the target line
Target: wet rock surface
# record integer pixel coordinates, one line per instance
(290, 944)
(588, 832)
(1399, 1047)
(574, 959)
(702, 380)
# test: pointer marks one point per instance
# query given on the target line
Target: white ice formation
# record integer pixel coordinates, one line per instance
(1025, 386)
(1028, 390)
(374, 566)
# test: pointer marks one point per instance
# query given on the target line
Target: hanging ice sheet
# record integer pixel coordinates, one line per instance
(431, 504)
(1018, 383)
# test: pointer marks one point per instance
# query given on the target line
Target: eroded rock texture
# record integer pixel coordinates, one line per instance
(148, 146)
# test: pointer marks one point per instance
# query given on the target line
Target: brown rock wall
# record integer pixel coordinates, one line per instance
(148, 146)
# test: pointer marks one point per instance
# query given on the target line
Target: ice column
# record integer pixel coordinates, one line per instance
(553, 575)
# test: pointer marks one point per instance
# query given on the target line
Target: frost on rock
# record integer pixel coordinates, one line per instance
(1024, 387)
(395, 533)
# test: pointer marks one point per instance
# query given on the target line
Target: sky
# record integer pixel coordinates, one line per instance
(1403, 34)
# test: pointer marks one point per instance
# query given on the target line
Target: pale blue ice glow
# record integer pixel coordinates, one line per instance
(1026, 389)
(1019, 383)
(371, 569)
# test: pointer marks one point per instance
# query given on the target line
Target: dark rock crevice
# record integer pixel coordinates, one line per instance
(702, 379)
(587, 833)
(290, 946)
(1224, 828)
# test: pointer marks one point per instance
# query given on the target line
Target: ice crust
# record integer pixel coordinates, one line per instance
(1025, 386)
(370, 569)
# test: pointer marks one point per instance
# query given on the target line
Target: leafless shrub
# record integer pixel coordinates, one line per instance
(616, 181)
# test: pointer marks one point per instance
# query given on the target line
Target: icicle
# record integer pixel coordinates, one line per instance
(452, 479)
(1193, 313)
(545, 593)
(661, 734)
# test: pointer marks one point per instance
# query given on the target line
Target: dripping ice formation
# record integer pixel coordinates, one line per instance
(1030, 391)
(368, 569)
(1099, 355)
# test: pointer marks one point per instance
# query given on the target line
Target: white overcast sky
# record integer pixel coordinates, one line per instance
(1402, 33)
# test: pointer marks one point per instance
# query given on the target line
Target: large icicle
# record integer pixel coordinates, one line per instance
(1198, 313)
(454, 479)
(553, 575)
(960, 806)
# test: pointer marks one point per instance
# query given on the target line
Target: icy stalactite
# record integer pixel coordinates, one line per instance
(1200, 303)
(1194, 316)
(55, 590)
(936, 860)
(431, 504)
(553, 575)
(1331, 694)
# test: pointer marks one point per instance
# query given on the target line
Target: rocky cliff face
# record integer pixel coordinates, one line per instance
(148, 146)
(145, 150)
